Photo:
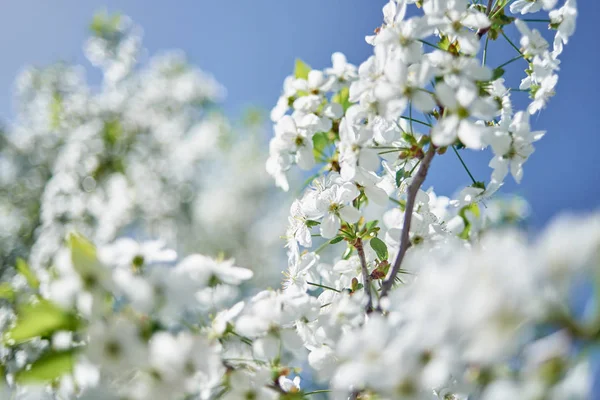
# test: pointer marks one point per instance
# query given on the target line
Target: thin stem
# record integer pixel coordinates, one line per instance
(317, 391)
(413, 189)
(415, 167)
(322, 286)
(487, 39)
(375, 292)
(415, 120)
(500, 8)
(346, 232)
(325, 156)
(425, 90)
(387, 148)
(412, 132)
(321, 247)
(358, 245)
(390, 151)
(308, 181)
(399, 127)
(535, 20)
(393, 200)
(243, 338)
(463, 164)
(246, 360)
(514, 46)
(431, 44)
(510, 61)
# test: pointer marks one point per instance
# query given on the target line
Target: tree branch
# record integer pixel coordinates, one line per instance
(488, 9)
(413, 189)
(358, 244)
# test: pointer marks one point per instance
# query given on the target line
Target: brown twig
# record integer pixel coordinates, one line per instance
(413, 189)
(358, 245)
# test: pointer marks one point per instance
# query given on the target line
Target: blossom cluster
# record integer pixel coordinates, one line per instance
(115, 315)
(363, 111)
(493, 320)
(139, 155)
(370, 133)
(409, 295)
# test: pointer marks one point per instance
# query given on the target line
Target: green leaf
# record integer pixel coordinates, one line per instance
(498, 21)
(380, 248)
(479, 185)
(409, 138)
(444, 43)
(47, 368)
(83, 254)
(348, 252)
(310, 223)
(113, 130)
(27, 273)
(97, 23)
(472, 208)
(104, 24)
(371, 224)
(320, 142)
(336, 239)
(497, 73)
(343, 98)
(41, 318)
(82, 250)
(451, 47)
(400, 175)
(301, 69)
(6, 291)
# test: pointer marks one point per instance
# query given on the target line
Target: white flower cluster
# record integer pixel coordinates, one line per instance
(359, 113)
(139, 155)
(370, 133)
(434, 297)
(117, 315)
(490, 320)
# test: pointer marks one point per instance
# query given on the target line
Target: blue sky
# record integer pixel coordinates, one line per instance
(250, 46)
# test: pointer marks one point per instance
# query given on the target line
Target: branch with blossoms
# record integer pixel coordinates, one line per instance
(360, 127)
(412, 191)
